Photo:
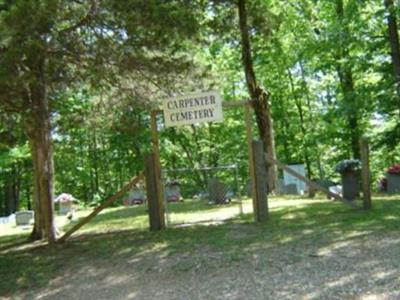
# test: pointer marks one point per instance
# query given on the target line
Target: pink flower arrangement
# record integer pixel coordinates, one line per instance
(64, 198)
(395, 169)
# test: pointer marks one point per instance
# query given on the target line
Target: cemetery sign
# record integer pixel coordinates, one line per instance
(193, 108)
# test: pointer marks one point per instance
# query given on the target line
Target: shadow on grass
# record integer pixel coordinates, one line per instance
(309, 227)
(11, 241)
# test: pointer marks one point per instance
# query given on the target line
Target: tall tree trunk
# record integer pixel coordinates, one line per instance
(28, 196)
(8, 201)
(311, 119)
(285, 128)
(12, 191)
(2, 204)
(299, 106)
(346, 81)
(393, 38)
(38, 231)
(95, 162)
(200, 156)
(38, 130)
(260, 98)
(45, 173)
(345, 74)
(12, 176)
(91, 171)
(213, 156)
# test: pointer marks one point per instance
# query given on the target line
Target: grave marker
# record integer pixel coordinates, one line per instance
(23, 217)
(217, 191)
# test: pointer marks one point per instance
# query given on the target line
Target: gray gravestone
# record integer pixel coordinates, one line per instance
(280, 186)
(23, 217)
(65, 207)
(217, 191)
(290, 189)
(350, 185)
(393, 183)
(173, 192)
(136, 196)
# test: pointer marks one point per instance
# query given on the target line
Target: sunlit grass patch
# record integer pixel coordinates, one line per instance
(121, 235)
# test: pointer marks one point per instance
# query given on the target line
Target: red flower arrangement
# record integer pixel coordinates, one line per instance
(395, 170)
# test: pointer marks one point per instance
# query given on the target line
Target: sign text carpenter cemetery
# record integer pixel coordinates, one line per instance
(193, 108)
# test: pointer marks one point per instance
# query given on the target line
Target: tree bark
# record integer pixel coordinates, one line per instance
(28, 196)
(310, 119)
(345, 74)
(38, 231)
(12, 191)
(260, 98)
(11, 176)
(95, 162)
(200, 156)
(44, 175)
(285, 129)
(393, 38)
(38, 130)
(299, 106)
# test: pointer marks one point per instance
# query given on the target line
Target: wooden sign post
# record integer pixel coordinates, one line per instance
(249, 137)
(154, 183)
(155, 203)
(200, 108)
(260, 198)
(365, 173)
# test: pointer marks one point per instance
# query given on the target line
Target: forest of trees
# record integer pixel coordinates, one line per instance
(78, 79)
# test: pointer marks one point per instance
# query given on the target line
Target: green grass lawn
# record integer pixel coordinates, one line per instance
(123, 231)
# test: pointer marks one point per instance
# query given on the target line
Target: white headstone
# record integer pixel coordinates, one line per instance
(65, 208)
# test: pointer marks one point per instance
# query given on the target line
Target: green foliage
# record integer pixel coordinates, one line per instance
(13, 156)
(299, 60)
(106, 64)
(77, 53)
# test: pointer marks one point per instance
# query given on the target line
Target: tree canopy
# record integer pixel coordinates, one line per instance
(77, 80)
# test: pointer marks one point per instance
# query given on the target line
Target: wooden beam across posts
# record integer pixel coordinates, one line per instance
(102, 206)
(312, 184)
(365, 173)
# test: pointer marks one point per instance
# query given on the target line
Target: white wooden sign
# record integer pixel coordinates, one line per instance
(193, 108)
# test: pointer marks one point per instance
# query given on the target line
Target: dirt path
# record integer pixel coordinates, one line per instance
(362, 267)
